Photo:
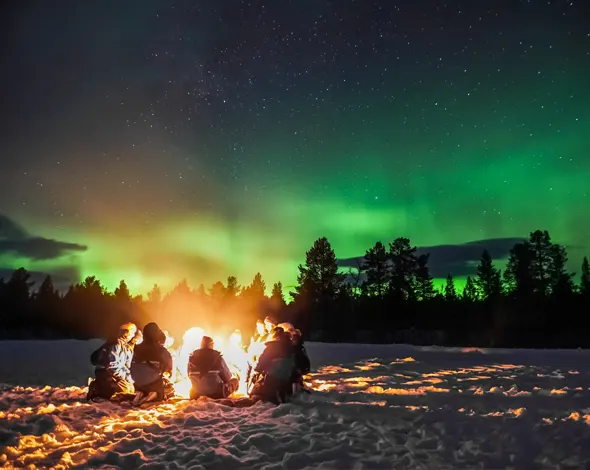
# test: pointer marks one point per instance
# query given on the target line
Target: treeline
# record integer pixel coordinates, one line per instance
(532, 302)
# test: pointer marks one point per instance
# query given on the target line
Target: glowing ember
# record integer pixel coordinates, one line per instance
(240, 357)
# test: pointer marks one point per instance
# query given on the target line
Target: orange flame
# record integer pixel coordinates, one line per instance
(240, 357)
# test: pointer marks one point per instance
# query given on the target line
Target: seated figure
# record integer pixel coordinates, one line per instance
(209, 374)
(112, 363)
(275, 369)
(151, 367)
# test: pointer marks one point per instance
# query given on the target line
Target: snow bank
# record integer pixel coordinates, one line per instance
(374, 406)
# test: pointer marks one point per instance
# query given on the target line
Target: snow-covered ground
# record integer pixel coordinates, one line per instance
(374, 407)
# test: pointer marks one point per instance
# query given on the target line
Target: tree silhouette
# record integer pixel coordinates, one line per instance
(470, 290)
(257, 289)
(318, 284)
(376, 266)
(46, 303)
(536, 306)
(561, 282)
(277, 297)
(122, 293)
(233, 288)
(450, 293)
(423, 282)
(319, 278)
(519, 271)
(488, 279)
(585, 278)
(403, 267)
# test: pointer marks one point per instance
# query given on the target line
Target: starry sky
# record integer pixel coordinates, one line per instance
(158, 140)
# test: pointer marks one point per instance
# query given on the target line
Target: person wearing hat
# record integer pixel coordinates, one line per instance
(209, 374)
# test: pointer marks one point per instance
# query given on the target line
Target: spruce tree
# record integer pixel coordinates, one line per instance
(233, 288)
(470, 290)
(319, 278)
(403, 268)
(377, 269)
(277, 297)
(518, 275)
(122, 292)
(155, 295)
(488, 280)
(257, 289)
(561, 283)
(423, 282)
(450, 293)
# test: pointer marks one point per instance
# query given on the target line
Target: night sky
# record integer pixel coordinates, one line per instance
(157, 140)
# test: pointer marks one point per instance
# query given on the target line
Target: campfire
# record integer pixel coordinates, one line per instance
(240, 356)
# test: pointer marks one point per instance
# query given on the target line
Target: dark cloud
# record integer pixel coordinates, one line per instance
(459, 260)
(16, 241)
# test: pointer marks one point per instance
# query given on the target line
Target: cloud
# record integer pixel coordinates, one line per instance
(16, 241)
(459, 260)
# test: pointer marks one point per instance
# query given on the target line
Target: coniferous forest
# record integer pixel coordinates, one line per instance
(532, 302)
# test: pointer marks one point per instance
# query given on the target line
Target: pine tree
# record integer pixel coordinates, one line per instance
(518, 275)
(47, 291)
(542, 252)
(217, 292)
(319, 277)
(233, 288)
(470, 290)
(489, 280)
(450, 293)
(318, 285)
(403, 268)
(257, 289)
(277, 297)
(18, 287)
(155, 295)
(122, 292)
(585, 278)
(423, 282)
(46, 301)
(377, 269)
(561, 283)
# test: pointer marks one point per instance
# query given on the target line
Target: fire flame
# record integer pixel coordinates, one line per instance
(240, 357)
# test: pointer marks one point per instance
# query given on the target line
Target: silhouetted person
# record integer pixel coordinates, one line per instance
(112, 363)
(151, 365)
(275, 369)
(302, 362)
(209, 374)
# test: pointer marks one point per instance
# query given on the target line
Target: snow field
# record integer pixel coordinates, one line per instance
(373, 406)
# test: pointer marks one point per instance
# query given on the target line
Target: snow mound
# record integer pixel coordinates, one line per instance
(372, 407)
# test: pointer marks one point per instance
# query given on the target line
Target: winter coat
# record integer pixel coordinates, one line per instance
(277, 360)
(208, 372)
(150, 361)
(114, 357)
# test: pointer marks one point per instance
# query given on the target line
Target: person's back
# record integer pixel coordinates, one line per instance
(209, 374)
(151, 360)
(275, 368)
(111, 365)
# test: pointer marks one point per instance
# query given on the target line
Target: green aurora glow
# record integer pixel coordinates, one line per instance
(479, 148)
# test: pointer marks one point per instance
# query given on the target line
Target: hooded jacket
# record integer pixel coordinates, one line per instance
(151, 359)
(277, 360)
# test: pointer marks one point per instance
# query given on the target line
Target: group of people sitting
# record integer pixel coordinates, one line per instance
(136, 366)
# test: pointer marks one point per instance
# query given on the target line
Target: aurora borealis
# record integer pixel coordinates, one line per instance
(153, 141)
